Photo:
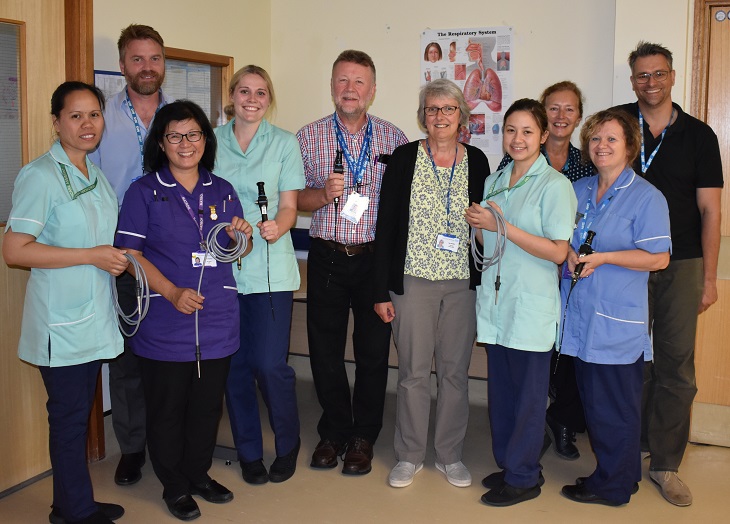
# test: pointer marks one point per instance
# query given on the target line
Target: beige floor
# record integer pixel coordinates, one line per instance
(313, 496)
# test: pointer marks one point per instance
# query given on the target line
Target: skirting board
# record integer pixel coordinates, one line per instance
(710, 424)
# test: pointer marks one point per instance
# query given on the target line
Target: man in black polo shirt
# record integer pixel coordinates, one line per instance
(681, 157)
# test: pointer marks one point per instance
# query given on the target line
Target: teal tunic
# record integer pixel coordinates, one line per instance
(272, 157)
(71, 306)
(526, 314)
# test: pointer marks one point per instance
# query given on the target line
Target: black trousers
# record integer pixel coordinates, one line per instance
(567, 407)
(183, 412)
(335, 283)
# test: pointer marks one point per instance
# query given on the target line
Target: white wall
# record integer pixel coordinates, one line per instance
(237, 28)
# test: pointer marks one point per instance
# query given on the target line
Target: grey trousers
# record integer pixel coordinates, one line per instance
(434, 320)
(669, 381)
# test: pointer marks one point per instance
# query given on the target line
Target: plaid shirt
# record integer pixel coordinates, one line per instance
(318, 143)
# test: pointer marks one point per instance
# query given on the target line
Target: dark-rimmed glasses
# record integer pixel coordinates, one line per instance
(176, 138)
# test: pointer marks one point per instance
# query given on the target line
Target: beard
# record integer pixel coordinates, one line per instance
(146, 86)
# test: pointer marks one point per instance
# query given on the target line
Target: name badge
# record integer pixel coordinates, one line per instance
(447, 242)
(199, 256)
(356, 205)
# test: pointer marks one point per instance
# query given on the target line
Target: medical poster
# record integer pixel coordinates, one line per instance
(479, 61)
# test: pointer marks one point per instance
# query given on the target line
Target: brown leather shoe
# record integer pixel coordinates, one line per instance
(358, 458)
(325, 454)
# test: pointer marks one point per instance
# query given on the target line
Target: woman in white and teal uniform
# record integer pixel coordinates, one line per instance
(251, 150)
(62, 226)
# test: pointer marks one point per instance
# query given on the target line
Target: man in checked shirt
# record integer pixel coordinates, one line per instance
(344, 210)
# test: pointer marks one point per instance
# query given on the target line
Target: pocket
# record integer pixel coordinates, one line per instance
(617, 328)
(73, 330)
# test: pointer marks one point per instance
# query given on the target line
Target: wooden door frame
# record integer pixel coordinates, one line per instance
(700, 58)
(79, 53)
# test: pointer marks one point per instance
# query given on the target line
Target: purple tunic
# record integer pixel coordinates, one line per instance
(155, 220)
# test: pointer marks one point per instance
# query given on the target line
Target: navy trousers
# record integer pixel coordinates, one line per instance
(611, 396)
(517, 389)
(71, 392)
(262, 359)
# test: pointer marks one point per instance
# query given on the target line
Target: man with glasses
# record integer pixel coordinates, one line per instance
(343, 198)
(127, 118)
(681, 157)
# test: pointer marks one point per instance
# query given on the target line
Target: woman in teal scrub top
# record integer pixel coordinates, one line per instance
(62, 226)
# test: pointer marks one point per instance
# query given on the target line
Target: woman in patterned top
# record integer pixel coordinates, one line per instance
(425, 280)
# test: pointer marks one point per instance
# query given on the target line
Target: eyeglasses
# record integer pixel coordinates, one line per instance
(446, 110)
(643, 78)
(176, 138)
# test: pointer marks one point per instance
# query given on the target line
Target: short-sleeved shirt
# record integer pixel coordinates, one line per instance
(431, 195)
(608, 311)
(688, 159)
(118, 154)
(574, 168)
(273, 158)
(155, 221)
(318, 144)
(526, 312)
(69, 307)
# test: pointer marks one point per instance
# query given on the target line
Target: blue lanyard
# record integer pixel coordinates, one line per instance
(137, 128)
(357, 168)
(451, 179)
(644, 163)
(584, 224)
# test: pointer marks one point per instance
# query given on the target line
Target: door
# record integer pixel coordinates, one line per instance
(711, 103)
(24, 438)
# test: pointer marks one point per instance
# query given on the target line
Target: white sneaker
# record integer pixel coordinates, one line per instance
(456, 474)
(673, 489)
(402, 474)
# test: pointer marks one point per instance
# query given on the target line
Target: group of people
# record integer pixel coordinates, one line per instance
(401, 236)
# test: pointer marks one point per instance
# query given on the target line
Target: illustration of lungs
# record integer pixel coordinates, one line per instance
(488, 89)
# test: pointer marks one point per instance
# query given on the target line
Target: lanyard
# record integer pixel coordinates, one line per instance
(357, 168)
(137, 127)
(585, 225)
(646, 163)
(492, 193)
(70, 190)
(451, 179)
(198, 223)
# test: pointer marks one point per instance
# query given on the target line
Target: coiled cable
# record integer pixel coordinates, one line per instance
(482, 262)
(142, 292)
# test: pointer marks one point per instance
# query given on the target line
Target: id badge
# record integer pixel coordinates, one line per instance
(447, 242)
(199, 256)
(356, 205)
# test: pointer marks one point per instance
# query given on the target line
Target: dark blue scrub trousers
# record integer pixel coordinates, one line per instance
(262, 359)
(611, 396)
(71, 392)
(517, 388)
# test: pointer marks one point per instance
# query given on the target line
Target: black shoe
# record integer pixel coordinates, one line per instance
(254, 472)
(212, 492)
(284, 467)
(359, 457)
(579, 493)
(507, 495)
(634, 490)
(325, 454)
(496, 479)
(563, 439)
(129, 470)
(110, 511)
(183, 507)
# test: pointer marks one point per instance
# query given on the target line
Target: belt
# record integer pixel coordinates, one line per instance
(351, 250)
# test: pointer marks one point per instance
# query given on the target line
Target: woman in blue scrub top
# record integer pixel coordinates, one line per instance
(518, 307)
(62, 226)
(164, 223)
(251, 150)
(608, 308)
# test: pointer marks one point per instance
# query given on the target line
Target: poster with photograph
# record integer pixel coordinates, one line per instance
(479, 61)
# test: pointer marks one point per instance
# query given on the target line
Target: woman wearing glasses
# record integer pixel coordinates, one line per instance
(425, 280)
(186, 341)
